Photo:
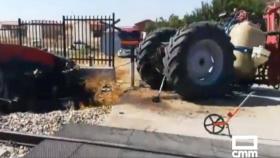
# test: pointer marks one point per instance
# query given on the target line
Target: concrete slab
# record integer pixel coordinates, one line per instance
(140, 143)
(259, 116)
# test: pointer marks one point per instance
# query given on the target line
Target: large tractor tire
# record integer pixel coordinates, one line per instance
(4, 93)
(149, 56)
(199, 61)
(3, 86)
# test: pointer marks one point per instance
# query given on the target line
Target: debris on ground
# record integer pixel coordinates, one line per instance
(107, 92)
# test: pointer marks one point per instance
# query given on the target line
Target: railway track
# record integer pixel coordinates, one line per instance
(33, 140)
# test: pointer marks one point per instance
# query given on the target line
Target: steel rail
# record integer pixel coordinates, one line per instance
(33, 140)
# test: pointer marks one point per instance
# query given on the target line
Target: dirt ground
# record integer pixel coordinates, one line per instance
(135, 110)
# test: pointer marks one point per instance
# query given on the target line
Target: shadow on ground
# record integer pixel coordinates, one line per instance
(261, 97)
(48, 105)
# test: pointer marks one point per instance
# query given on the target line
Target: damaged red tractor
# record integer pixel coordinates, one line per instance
(29, 76)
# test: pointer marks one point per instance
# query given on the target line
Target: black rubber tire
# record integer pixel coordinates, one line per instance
(175, 64)
(4, 92)
(149, 58)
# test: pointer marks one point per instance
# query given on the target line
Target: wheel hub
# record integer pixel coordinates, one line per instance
(204, 62)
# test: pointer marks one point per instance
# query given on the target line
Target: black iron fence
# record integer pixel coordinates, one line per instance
(88, 40)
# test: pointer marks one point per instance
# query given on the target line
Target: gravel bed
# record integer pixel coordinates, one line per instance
(13, 151)
(45, 124)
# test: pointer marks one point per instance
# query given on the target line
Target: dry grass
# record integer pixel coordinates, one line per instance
(107, 92)
(116, 88)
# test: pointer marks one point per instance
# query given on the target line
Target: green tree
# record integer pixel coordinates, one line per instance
(175, 22)
(211, 11)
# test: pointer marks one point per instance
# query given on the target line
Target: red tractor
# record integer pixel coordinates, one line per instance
(208, 59)
(29, 76)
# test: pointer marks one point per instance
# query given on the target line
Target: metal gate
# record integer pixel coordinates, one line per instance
(88, 40)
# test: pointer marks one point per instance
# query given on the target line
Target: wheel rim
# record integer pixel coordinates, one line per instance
(210, 124)
(204, 62)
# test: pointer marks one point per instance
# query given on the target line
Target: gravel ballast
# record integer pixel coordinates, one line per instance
(45, 124)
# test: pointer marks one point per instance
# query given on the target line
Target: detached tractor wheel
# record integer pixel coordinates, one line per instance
(149, 56)
(3, 86)
(199, 61)
(4, 93)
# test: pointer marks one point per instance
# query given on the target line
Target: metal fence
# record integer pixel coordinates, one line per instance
(88, 40)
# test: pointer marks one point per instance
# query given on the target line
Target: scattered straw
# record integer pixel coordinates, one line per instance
(107, 92)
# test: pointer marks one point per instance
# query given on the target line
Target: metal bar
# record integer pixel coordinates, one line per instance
(103, 41)
(83, 40)
(9, 36)
(57, 34)
(29, 33)
(61, 45)
(100, 40)
(49, 34)
(110, 42)
(5, 37)
(23, 33)
(46, 35)
(53, 34)
(20, 31)
(86, 36)
(72, 33)
(36, 35)
(33, 140)
(237, 109)
(75, 36)
(32, 32)
(113, 54)
(64, 36)
(92, 58)
(90, 41)
(42, 31)
(79, 36)
(2, 36)
(132, 66)
(244, 101)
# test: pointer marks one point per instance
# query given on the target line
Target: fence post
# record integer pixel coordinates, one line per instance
(64, 36)
(113, 44)
(20, 32)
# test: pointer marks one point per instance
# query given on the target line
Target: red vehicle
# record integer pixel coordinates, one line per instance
(29, 76)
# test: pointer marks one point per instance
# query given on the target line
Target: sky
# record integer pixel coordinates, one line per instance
(129, 11)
